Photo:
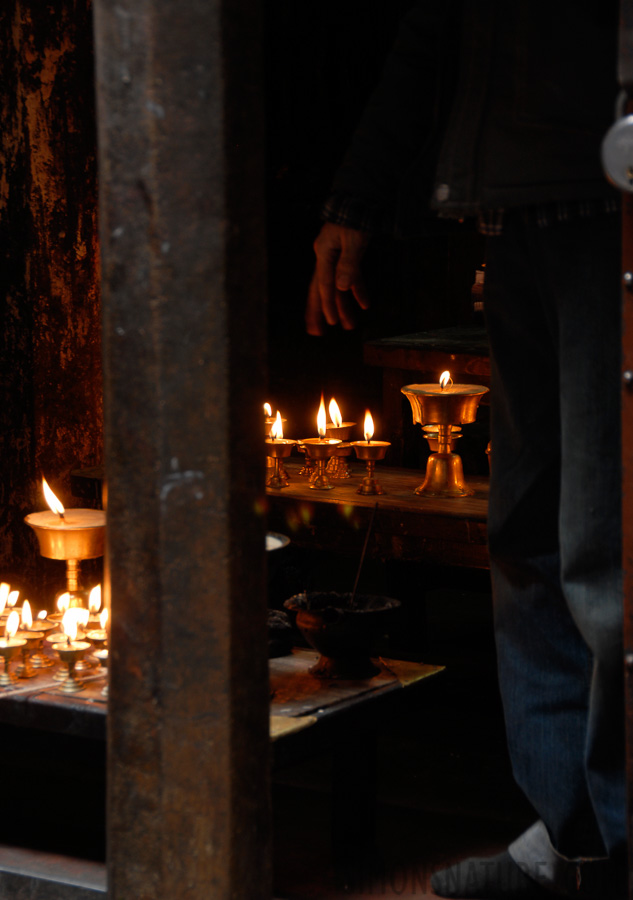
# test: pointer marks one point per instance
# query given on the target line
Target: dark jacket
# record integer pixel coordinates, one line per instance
(485, 105)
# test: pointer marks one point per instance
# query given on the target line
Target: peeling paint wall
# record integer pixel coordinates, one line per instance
(50, 353)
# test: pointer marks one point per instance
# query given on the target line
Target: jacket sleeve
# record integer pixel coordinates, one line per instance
(395, 142)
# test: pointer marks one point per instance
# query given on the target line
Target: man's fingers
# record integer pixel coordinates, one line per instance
(324, 276)
(360, 293)
(313, 315)
(346, 310)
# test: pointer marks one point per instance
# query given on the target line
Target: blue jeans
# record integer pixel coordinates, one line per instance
(552, 302)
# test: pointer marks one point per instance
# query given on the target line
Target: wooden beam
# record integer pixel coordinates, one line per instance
(181, 180)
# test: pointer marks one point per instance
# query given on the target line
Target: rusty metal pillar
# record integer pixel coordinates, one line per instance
(180, 150)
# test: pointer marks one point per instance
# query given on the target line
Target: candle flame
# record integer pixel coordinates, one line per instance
(268, 410)
(52, 500)
(12, 599)
(335, 413)
(69, 624)
(103, 618)
(63, 602)
(321, 419)
(13, 623)
(94, 600)
(27, 615)
(445, 377)
(42, 614)
(277, 431)
(368, 428)
(4, 593)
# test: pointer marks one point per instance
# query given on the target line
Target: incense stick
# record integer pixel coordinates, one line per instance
(362, 556)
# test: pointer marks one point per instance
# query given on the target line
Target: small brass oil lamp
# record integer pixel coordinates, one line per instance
(71, 535)
(10, 647)
(98, 637)
(320, 450)
(444, 404)
(33, 634)
(371, 452)
(278, 448)
(71, 651)
(94, 606)
(270, 422)
(42, 625)
(337, 466)
(8, 601)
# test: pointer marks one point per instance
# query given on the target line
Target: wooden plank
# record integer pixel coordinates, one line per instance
(182, 231)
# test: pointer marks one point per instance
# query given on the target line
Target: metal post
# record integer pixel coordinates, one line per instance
(180, 150)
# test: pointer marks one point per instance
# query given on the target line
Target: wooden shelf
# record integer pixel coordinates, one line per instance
(441, 531)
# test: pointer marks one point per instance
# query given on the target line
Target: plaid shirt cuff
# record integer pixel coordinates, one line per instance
(343, 209)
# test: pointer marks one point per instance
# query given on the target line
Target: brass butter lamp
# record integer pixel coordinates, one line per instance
(71, 535)
(278, 448)
(444, 405)
(337, 466)
(320, 450)
(370, 451)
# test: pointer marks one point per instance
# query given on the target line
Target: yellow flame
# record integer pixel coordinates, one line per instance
(42, 614)
(51, 499)
(13, 623)
(277, 431)
(4, 593)
(27, 615)
(103, 618)
(94, 600)
(268, 410)
(69, 624)
(368, 428)
(445, 377)
(12, 599)
(63, 602)
(335, 413)
(321, 419)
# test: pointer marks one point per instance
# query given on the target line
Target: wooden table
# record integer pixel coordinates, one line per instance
(307, 716)
(441, 531)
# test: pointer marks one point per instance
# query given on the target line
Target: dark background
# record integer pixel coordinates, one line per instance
(321, 63)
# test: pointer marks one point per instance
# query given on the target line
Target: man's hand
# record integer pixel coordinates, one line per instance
(337, 278)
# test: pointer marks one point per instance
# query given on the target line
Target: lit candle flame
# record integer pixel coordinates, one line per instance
(445, 377)
(321, 419)
(368, 428)
(27, 615)
(268, 410)
(52, 500)
(335, 414)
(63, 602)
(103, 618)
(12, 599)
(94, 600)
(4, 593)
(69, 624)
(13, 623)
(277, 431)
(42, 614)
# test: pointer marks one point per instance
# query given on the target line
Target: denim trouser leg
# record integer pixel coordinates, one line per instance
(552, 308)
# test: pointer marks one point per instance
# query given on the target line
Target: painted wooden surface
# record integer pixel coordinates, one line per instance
(50, 356)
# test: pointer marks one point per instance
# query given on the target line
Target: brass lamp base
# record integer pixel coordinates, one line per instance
(444, 477)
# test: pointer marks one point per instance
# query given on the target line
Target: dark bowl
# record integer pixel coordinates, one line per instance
(342, 630)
